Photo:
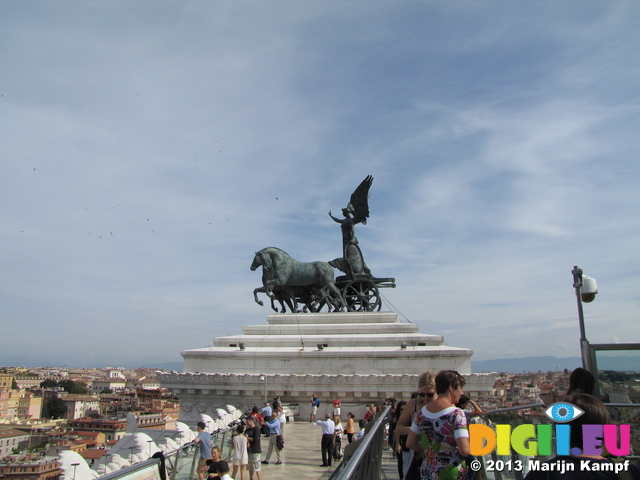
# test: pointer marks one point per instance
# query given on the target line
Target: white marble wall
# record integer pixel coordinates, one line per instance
(365, 357)
(203, 393)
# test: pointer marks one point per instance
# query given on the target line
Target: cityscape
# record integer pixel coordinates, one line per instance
(48, 410)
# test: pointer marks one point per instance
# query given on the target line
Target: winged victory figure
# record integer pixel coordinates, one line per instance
(357, 211)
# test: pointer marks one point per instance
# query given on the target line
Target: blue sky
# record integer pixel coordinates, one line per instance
(149, 148)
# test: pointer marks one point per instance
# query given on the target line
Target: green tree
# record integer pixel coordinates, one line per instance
(80, 388)
(67, 385)
(48, 383)
(53, 408)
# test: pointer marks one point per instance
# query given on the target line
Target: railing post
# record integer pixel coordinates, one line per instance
(193, 463)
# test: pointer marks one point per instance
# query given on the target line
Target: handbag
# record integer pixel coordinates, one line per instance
(413, 473)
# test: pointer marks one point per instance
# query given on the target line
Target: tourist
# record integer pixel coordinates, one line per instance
(315, 403)
(425, 394)
(581, 381)
(212, 464)
(583, 467)
(350, 428)
(274, 430)
(469, 407)
(276, 402)
(336, 408)
(328, 431)
(223, 469)
(283, 420)
(240, 458)
(266, 411)
(259, 419)
(337, 439)
(370, 414)
(255, 413)
(254, 450)
(440, 433)
(361, 433)
(203, 440)
(399, 445)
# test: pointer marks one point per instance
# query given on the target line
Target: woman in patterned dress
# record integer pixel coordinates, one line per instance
(440, 431)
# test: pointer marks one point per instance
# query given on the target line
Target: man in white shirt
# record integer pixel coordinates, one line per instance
(328, 430)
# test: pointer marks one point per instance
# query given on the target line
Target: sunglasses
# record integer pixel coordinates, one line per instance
(429, 395)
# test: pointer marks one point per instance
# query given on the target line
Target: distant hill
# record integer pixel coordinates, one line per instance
(548, 363)
(526, 364)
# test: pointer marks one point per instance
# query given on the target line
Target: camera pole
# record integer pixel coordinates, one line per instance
(584, 343)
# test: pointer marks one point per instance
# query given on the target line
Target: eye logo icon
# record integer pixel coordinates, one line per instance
(562, 412)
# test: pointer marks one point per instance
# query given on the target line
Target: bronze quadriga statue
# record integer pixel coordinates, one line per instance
(311, 286)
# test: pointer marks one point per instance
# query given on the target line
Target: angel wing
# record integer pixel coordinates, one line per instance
(359, 202)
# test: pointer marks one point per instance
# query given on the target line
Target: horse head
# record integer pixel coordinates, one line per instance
(256, 262)
(262, 259)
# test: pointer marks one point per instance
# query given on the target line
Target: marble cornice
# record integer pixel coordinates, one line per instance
(190, 379)
(177, 380)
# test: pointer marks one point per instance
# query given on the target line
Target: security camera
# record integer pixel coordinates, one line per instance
(589, 289)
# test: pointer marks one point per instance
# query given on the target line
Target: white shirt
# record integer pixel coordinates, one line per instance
(328, 427)
(283, 418)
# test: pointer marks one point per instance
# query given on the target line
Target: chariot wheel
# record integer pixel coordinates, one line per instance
(321, 300)
(362, 296)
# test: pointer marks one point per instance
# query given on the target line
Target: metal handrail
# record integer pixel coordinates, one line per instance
(131, 469)
(372, 440)
(511, 409)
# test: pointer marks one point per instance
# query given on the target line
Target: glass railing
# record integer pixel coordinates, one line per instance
(182, 464)
(178, 464)
(363, 458)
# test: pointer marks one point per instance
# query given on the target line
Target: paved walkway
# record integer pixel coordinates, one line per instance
(302, 456)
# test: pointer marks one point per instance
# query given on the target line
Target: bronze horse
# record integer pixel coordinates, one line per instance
(282, 274)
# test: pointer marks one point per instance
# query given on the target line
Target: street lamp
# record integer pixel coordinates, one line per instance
(586, 291)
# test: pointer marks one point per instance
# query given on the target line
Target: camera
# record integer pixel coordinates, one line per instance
(589, 289)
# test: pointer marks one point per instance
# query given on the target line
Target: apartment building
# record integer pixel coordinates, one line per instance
(9, 404)
(26, 468)
(6, 381)
(79, 406)
(12, 439)
(29, 406)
